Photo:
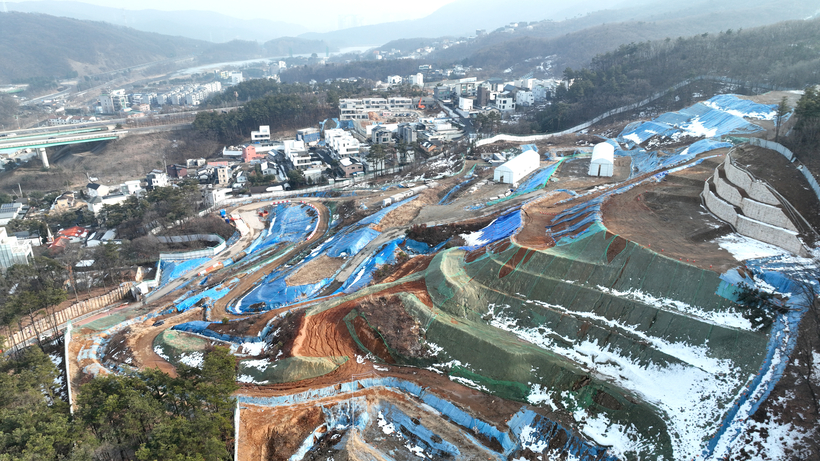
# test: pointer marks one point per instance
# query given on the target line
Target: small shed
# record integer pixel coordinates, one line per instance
(515, 169)
(603, 160)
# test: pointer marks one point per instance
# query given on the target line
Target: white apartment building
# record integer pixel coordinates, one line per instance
(13, 251)
(505, 103)
(358, 109)
(262, 135)
(417, 80)
(524, 98)
(342, 142)
(297, 153)
(113, 101)
(237, 78)
(394, 79)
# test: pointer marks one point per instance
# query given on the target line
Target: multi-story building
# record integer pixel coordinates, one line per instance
(417, 80)
(342, 142)
(381, 135)
(13, 251)
(262, 135)
(505, 103)
(358, 109)
(297, 153)
(406, 133)
(113, 101)
(156, 178)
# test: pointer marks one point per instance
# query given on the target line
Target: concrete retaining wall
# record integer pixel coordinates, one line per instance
(726, 191)
(719, 208)
(770, 234)
(767, 214)
(757, 190)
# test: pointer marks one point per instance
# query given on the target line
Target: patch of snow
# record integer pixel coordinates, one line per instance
(158, 350)
(619, 439)
(252, 348)
(194, 359)
(261, 364)
(386, 427)
(743, 248)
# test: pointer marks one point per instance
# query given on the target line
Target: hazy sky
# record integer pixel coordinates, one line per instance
(316, 15)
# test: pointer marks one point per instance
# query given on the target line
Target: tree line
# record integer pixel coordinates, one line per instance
(147, 415)
(783, 55)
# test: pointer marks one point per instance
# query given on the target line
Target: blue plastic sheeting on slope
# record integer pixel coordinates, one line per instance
(637, 133)
(172, 270)
(721, 123)
(201, 328)
(536, 180)
(376, 217)
(704, 145)
(290, 223)
(352, 242)
(446, 408)
(743, 107)
(784, 275)
(502, 227)
(420, 248)
(363, 274)
(545, 432)
(446, 199)
(421, 436)
(274, 292)
(213, 294)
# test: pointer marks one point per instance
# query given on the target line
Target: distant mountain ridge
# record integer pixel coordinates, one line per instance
(196, 24)
(41, 46)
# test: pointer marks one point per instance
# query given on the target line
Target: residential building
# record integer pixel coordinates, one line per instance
(417, 80)
(214, 196)
(195, 162)
(342, 142)
(249, 153)
(156, 178)
(406, 133)
(350, 167)
(237, 78)
(381, 135)
(524, 98)
(359, 109)
(113, 101)
(465, 104)
(177, 171)
(96, 190)
(9, 211)
(131, 187)
(297, 153)
(223, 175)
(309, 136)
(13, 251)
(262, 135)
(505, 103)
(484, 95)
(394, 80)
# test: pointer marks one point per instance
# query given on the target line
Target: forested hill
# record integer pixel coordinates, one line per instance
(574, 42)
(784, 55)
(42, 46)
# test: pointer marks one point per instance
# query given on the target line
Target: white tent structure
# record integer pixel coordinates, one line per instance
(515, 169)
(603, 160)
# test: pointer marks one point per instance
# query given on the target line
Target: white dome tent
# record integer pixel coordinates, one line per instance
(603, 160)
(515, 169)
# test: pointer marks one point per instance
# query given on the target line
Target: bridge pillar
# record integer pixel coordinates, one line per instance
(44, 157)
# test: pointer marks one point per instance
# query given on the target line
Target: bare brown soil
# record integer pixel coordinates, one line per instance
(275, 433)
(537, 216)
(405, 214)
(513, 262)
(371, 340)
(320, 268)
(668, 218)
(411, 266)
(398, 328)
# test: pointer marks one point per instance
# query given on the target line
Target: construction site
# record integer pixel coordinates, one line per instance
(565, 316)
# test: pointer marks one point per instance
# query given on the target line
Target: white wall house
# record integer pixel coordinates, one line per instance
(262, 135)
(514, 170)
(603, 160)
(505, 103)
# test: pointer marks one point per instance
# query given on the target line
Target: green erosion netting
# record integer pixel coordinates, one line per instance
(177, 347)
(592, 296)
(115, 318)
(287, 370)
(498, 362)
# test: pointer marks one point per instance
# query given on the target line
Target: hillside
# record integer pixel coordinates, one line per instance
(780, 56)
(574, 42)
(40, 46)
(196, 24)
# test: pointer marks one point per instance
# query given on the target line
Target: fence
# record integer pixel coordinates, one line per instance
(20, 338)
(184, 256)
